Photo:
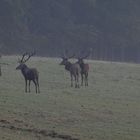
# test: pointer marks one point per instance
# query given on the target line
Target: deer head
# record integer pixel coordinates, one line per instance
(65, 59)
(23, 60)
(81, 59)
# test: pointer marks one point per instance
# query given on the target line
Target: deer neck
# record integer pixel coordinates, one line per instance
(24, 70)
(82, 65)
(68, 66)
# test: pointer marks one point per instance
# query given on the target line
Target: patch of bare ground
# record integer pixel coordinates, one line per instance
(9, 125)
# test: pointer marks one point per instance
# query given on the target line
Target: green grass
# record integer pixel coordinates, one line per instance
(106, 110)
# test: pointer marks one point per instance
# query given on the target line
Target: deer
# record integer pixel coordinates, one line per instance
(84, 69)
(29, 74)
(74, 70)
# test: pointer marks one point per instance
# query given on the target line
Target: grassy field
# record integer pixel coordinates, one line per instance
(109, 109)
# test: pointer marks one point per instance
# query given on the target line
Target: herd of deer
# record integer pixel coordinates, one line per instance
(76, 69)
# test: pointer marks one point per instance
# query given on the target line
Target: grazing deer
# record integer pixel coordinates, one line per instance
(74, 69)
(30, 74)
(84, 69)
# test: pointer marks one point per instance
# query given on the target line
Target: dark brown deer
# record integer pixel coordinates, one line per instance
(84, 69)
(74, 69)
(30, 74)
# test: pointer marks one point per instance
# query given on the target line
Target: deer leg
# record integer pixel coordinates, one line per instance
(29, 85)
(35, 85)
(82, 79)
(86, 79)
(25, 85)
(71, 80)
(75, 77)
(38, 86)
(78, 81)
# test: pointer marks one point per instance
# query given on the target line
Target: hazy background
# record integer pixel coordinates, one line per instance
(109, 29)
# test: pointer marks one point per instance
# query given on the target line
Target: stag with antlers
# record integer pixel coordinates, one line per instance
(73, 68)
(30, 74)
(84, 69)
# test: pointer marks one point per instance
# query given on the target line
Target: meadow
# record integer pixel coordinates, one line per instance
(108, 109)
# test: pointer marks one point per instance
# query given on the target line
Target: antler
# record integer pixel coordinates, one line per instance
(65, 53)
(88, 53)
(23, 60)
(29, 56)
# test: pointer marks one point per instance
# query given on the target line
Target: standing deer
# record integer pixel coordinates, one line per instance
(84, 69)
(74, 69)
(30, 74)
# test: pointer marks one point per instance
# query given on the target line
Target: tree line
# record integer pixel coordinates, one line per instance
(109, 29)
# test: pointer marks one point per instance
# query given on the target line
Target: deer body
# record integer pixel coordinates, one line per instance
(84, 70)
(74, 70)
(84, 73)
(30, 74)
